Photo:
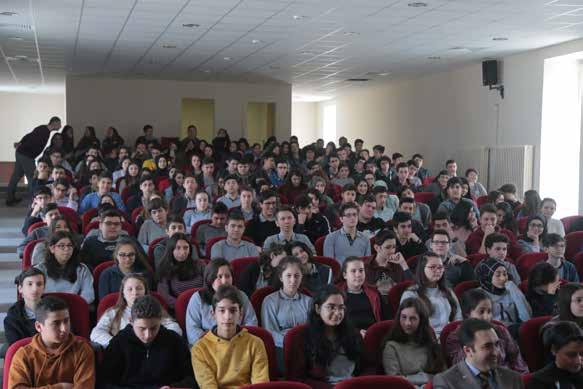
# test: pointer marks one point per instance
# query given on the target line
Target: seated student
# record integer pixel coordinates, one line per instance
(155, 226)
(488, 225)
(41, 197)
(201, 211)
(234, 246)
(386, 204)
(264, 272)
(244, 170)
(64, 195)
(420, 212)
(231, 161)
(570, 304)
(497, 248)
(543, 285)
(247, 207)
(145, 354)
(59, 223)
(128, 259)
(565, 341)
(510, 305)
(547, 209)
(506, 219)
(315, 275)
(54, 358)
(103, 187)
(294, 186)
(333, 347)
(343, 176)
(147, 189)
(199, 317)
(176, 187)
(347, 195)
(49, 212)
(118, 317)
(401, 179)
(509, 193)
(216, 228)
(185, 200)
(442, 222)
(228, 356)
(480, 367)
(287, 307)
(208, 177)
(347, 241)
(457, 269)
(63, 270)
(278, 176)
(20, 319)
(263, 224)
(231, 198)
(431, 288)
(409, 206)
(476, 188)
(367, 222)
(454, 196)
(408, 243)
(174, 225)
(531, 241)
(320, 185)
(285, 220)
(178, 272)
(363, 302)
(312, 224)
(476, 304)
(411, 349)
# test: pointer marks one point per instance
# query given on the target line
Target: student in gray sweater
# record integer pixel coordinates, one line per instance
(234, 246)
(214, 229)
(199, 318)
(64, 272)
(285, 220)
(154, 227)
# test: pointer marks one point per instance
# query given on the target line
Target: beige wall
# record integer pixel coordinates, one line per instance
(21, 112)
(129, 104)
(444, 115)
(305, 124)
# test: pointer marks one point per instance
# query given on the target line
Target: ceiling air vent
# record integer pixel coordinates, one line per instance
(358, 79)
(16, 26)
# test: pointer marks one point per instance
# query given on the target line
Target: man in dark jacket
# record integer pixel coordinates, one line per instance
(314, 225)
(147, 355)
(263, 225)
(29, 147)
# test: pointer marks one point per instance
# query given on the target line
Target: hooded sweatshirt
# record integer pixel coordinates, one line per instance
(73, 362)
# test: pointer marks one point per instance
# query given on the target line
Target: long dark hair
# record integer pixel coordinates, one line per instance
(530, 219)
(321, 350)
(265, 259)
(140, 263)
(54, 269)
(566, 293)
(532, 203)
(441, 285)
(509, 221)
(171, 268)
(424, 336)
(210, 275)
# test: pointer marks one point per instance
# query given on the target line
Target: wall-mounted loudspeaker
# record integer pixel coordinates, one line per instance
(490, 73)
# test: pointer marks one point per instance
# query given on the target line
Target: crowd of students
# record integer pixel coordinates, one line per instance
(172, 218)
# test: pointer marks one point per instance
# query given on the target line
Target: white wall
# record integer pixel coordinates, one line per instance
(21, 112)
(129, 104)
(441, 115)
(305, 123)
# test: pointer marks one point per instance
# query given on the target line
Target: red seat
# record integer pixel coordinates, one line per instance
(277, 385)
(463, 286)
(162, 183)
(569, 220)
(97, 273)
(34, 226)
(151, 248)
(428, 180)
(373, 343)
(333, 263)
(412, 262)
(110, 300)
(522, 221)
(87, 217)
(27, 254)
(429, 385)
(257, 299)
(71, 216)
(135, 214)
(475, 259)
(294, 351)
(319, 245)
(181, 305)
(526, 379)
(239, 264)
(78, 312)
(481, 201)
(578, 262)
(195, 226)
(445, 332)
(126, 194)
(396, 292)
(375, 382)
(530, 342)
(574, 241)
(526, 261)
(424, 197)
(267, 339)
(127, 227)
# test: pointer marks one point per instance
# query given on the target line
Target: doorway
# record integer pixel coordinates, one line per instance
(201, 113)
(260, 122)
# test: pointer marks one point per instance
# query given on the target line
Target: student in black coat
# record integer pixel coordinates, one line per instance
(543, 287)
(145, 354)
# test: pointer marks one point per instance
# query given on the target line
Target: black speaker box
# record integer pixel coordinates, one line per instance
(490, 72)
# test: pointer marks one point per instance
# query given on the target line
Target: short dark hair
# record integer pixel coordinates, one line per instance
(487, 208)
(54, 119)
(347, 206)
(561, 334)
(236, 216)
(380, 189)
(283, 208)
(42, 190)
(383, 235)
(397, 155)
(156, 204)
(495, 238)
(440, 232)
(208, 161)
(441, 216)
(261, 197)
(508, 188)
(30, 272)
(402, 165)
(47, 305)
(174, 219)
(228, 292)
(543, 273)
(50, 207)
(147, 127)
(220, 208)
(379, 148)
(454, 181)
(62, 181)
(369, 198)
(417, 156)
(146, 178)
(449, 161)
(303, 201)
(470, 300)
(146, 307)
(400, 217)
(111, 212)
(348, 187)
(468, 329)
(231, 177)
(105, 175)
(552, 239)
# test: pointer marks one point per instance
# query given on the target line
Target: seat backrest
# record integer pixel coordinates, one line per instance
(447, 330)
(574, 241)
(91, 226)
(72, 217)
(78, 312)
(522, 224)
(375, 382)
(460, 288)
(277, 385)
(135, 213)
(195, 226)
(373, 343)
(267, 339)
(210, 243)
(396, 292)
(329, 261)
(257, 299)
(152, 246)
(239, 265)
(126, 194)
(97, 273)
(27, 254)
(424, 197)
(481, 201)
(567, 221)
(294, 351)
(475, 259)
(10, 355)
(526, 261)
(319, 245)
(578, 262)
(34, 226)
(181, 305)
(87, 216)
(530, 342)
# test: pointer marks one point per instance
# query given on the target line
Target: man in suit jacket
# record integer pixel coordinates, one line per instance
(480, 368)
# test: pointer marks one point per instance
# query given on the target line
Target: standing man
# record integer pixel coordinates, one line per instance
(29, 147)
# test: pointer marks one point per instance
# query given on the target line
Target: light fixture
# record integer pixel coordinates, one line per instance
(190, 25)
(306, 52)
(8, 13)
(384, 74)
(168, 46)
(299, 17)
(350, 33)
(417, 4)
(256, 41)
(206, 71)
(499, 38)
(227, 58)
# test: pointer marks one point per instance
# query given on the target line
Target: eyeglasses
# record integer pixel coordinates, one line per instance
(537, 225)
(351, 214)
(126, 255)
(440, 242)
(435, 267)
(334, 308)
(63, 246)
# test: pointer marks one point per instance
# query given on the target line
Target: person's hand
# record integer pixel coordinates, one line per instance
(362, 333)
(414, 238)
(455, 259)
(36, 208)
(260, 249)
(397, 258)
(553, 287)
(489, 229)
(302, 218)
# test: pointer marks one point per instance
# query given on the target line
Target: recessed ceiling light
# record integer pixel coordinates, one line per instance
(299, 17)
(384, 74)
(256, 41)
(190, 25)
(8, 13)
(207, 71)
(434, 57)
(417, 4)
(168, 46)
(500, 38)
(227, 58)
(350, 33)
